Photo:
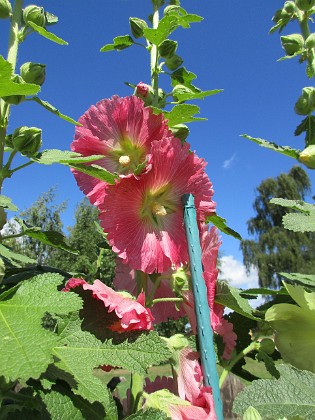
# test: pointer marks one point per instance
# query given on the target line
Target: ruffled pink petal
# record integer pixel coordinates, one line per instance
(107, 128)
(144, 245)
(132, 315)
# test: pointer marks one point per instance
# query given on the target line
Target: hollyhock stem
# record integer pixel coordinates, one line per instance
(136, 392)
(232, 362)
(154, 55)
(205, 333)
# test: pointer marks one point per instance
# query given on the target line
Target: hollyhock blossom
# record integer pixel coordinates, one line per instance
(210, 246)
(120, 129)
(125, 279)
(131, 314)
(191, 388)
(144, 217)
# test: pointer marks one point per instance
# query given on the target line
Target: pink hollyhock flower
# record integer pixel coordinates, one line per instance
(144, 217)
(131, 314)
(120, 129)
(210, 247)
(125, 279)
(191, 388)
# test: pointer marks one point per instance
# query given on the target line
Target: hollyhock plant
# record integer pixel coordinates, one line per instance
(120, 129)
(130, 314)
(144, 217)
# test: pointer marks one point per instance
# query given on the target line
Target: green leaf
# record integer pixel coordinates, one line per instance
(184, 77)
(305, 280)
(269, 363)
(185, 21)
(95, 171)
(182, 93)
(54, 110)
(304, 221)
(48, 237)
(290, 395)
(263, 291)
(307, 126)
(288, 57)
(13, 257)
(48, 157)
(231, 297)
(182, 113)
(6, 203)
(8, 87)
(26, 348)
(162, 399)
(120, 43)
(284, 150)
(165, 27)
(60, 401)
(220, 223)
(46, 34)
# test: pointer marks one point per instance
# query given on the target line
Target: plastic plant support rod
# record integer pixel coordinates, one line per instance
(205, 333)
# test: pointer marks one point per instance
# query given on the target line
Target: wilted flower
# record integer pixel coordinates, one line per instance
(130, 314)
(120, 129)
(144, 218)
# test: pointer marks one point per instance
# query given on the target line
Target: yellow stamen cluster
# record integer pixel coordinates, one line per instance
(158, 209)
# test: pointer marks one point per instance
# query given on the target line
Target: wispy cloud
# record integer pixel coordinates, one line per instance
(228, 162)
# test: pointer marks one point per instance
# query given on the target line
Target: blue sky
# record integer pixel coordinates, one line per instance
(231, 50)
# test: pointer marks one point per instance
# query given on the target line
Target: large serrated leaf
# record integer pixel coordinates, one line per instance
(14, 258)
(48, 157)
(26, 347)
(95, 171)
(182, 93)
(46, 34)
(50, 237)
(54, 110)
(305, 280)
(284, 150)
(8, 87)
(304, 221)
(149, 414)
(231, 297)
(290, 395)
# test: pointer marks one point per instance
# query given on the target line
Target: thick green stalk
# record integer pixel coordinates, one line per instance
(155, 56)
(136, 392)
(305, 30)
(12, 58)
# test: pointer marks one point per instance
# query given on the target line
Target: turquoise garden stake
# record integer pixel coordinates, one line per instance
(205, 333)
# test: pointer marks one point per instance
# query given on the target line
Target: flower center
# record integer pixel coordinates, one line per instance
(158, 204)
(124, 160)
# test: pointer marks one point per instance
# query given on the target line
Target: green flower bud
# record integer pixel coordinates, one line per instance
(305, 5)
(167, 48)
(137, 26)
(289, 7)
(267, 345)
(174, 62)
(306, 102)
(310, 41)
(180, 131)
(307, 156)
(33, 73)
(292, 43)
(5, 9)
(35, 15)
(14, 99)
(27, 140)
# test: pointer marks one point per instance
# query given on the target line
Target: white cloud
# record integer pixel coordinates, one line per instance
(228, 162)
(234, 272)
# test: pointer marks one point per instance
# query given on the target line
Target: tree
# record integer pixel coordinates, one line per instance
(275, 249)
(95, 259)
(46, 215)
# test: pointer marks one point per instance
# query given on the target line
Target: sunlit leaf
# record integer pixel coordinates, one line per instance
(9, 87)
(120, 43)
(285, 150)
(54, 110)
(46, 34)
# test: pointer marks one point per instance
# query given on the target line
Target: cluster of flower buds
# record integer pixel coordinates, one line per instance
(286, 13)
(5, 9)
